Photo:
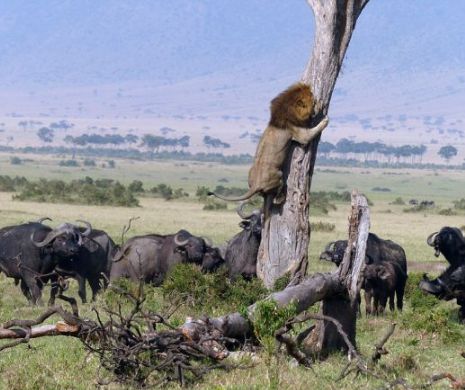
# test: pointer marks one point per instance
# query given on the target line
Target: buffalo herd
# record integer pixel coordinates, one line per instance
(34, 254)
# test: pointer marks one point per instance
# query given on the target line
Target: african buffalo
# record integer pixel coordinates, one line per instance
(30, 250)
(380, 282)
(241, 252)
(92, 263)
(450, 284)
(150, 257)
(379, 277)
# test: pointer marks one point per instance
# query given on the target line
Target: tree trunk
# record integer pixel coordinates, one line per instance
(286, 231)
(325, 339)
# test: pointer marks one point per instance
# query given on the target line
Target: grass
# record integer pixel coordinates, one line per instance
(415, 352)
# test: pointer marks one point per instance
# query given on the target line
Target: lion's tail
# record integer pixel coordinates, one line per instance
(246, 196)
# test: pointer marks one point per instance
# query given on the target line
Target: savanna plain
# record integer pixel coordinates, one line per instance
(428, 338)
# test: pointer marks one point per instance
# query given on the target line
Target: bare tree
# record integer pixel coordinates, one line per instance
(286, 232)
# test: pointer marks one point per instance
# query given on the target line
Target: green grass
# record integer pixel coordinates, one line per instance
(415, 353)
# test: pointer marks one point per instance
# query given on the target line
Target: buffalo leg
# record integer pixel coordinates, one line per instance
(94, 286)
(382, 303)
(461, 302)
(375, 304)
(34, 289)
(368, 308)
(400, 296)
(25, 289)
(82, 288)
(391, 301)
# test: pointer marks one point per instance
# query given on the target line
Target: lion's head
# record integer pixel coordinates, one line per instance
(294, 106)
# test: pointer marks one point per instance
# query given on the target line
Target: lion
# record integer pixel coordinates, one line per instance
(291, 111)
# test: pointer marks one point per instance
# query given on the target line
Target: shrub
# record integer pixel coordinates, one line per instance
(459, 204)
(84, 191)
(9, 184)
(268, 318)
(162, 190)
(398, 201)
(426, 313)
(136, 186)
(213, 204)
(202, 193)
(15, 161)
(322, 226)
(381, 189)
(448, 211)
(68, 163)
(185, 282)
(89, 162)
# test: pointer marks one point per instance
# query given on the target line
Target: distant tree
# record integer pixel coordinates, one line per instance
(325, 148)
(211, 142)
(23, 125)
(45, 134)
(61, 125)
(184, 141)
(447, 152)
(131, 138)
(152, 142)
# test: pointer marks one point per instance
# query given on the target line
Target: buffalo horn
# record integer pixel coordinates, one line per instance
(48, 238)
(240, 211)
(178, 242)
(40, 220)
(430, 239)
(328, 247)
(88, 227)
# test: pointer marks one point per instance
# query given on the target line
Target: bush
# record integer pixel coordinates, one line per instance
(381, 189)
(447, 212)
(268, 318)
(459, 204)
(85, 191)
(136, 186)
(186, 283)
(162, 190)
(68, 163)
(213, 204)
(426, 313)
(15, 161)
(89, 162)
(398, 201)
(322, 226)
(9, 184)
(202, 193)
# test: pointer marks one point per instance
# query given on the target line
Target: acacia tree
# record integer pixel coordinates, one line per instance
(286, 231)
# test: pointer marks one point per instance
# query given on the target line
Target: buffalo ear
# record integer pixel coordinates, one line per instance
(90, 244)
(384, 274)
(245, 224)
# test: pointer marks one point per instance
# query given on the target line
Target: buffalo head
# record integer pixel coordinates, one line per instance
(251, 222)
(377, 275)
(192, 246)
(450, 242)
(65, 240)
(212, 259)
(334, 251)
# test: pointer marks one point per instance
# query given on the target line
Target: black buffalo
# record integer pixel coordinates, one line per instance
(92, 263)
(450, 284)
(242, 250)
(381, 282)
(150, 257)
(380, 279)
(31, 250)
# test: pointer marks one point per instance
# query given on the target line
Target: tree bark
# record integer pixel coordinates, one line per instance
(286, 231)
(325, 339)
